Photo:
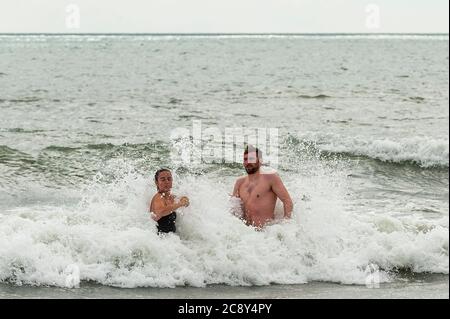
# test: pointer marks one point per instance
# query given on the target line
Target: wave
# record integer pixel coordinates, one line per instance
(10, 154)
(57, 165)
(109, 238)
(82, 161)
(21, 130)
(319, 96)
(165, 37)
(422, 151)
(417, 99)
(27, 99)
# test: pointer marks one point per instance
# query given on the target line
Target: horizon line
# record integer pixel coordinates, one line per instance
(223, 33)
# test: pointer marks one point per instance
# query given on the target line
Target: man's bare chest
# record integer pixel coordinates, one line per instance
(253, 190)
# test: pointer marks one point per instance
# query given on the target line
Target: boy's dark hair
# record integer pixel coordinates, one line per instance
(159, 172)
(251, 148)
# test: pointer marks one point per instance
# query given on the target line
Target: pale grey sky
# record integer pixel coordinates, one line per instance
(224, 16)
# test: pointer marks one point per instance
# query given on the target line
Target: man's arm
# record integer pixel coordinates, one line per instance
(236, 187)
(280, 190)
(237, 207)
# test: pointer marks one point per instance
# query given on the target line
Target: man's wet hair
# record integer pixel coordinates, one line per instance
(251, 149)
(160, 171)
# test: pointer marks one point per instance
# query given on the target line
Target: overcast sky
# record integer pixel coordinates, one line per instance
(224, 16)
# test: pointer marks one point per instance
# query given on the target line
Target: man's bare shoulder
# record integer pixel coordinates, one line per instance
(240, 180)
(272, 178)
(267, 170)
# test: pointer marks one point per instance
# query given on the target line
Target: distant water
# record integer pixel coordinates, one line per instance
(364, 151)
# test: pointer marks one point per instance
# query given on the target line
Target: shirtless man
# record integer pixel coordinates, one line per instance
(259, 191)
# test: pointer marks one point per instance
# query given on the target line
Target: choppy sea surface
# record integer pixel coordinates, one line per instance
(363, 148)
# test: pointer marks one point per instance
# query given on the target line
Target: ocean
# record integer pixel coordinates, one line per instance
(362, 145)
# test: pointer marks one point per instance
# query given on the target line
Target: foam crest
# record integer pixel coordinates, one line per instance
(109, 237)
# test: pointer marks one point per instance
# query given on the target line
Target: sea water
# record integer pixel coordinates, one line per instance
(362, 122)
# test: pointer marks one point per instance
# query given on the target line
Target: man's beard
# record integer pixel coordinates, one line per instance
(251, 170)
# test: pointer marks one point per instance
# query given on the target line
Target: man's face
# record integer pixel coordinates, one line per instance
(251, 163)
(164, 182)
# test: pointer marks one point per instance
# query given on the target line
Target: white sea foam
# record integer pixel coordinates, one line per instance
(110, 239)
(171, 37)
(424, 151)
